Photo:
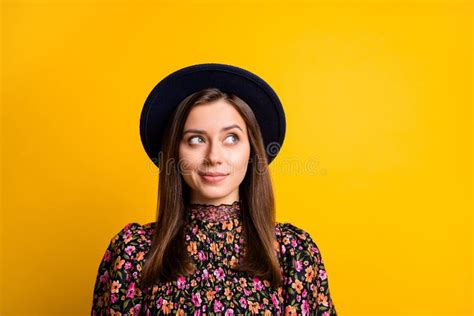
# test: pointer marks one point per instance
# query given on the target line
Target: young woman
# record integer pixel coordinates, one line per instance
(215, 248)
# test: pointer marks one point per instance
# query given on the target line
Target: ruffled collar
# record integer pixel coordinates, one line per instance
(211, 213)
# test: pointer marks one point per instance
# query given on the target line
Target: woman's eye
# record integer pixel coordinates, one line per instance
(192, 138)
(196, 139)
(236, 139)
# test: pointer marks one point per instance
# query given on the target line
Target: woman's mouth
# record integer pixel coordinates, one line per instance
(213, 177)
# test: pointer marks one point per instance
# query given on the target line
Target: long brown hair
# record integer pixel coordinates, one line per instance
(168, 257)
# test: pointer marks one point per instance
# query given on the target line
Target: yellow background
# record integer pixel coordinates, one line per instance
(376, 164)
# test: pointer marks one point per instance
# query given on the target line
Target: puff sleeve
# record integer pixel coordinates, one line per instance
(306, 285)
(116, 288)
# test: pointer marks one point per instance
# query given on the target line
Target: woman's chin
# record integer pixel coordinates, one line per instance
(213, 194)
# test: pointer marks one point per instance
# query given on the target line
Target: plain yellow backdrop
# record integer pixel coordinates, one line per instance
(376, 164)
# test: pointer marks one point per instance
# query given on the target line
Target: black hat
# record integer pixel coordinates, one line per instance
(170, 91)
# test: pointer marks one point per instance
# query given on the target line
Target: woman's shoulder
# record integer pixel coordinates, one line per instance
(304, 271)
(295, 239)
(133, 236)
(134, 230)
(119, 270)
(285, 229)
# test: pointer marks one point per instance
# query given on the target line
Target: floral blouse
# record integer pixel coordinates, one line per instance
(214, 238)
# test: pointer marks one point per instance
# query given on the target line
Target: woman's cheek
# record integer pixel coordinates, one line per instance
(240, 166)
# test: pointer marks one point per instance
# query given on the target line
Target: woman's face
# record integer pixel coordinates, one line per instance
(214, 153)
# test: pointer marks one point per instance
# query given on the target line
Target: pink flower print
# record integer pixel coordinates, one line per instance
(131, 290)
(196, 299)
(196, 313)
(219, 273)
(293, 243)
(218, 307)
(298, 265)
(326, 313)
(159, 302)
(305, 293)
(283, 249)
(274, 300)
(229, 312)
(205, 274)
(128, 265)
(181, 282)
(305, 308)
(322, 274)
(257, 284)
(247, 292)
(104, 277)
(113, 298)
(107, 256)
(129, 250)
(316, 250)
(243, 302)
(136, 309)
(201, 255)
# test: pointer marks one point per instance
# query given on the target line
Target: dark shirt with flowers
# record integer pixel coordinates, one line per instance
(214, 241)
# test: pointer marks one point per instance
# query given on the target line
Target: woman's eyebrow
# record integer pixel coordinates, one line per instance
(198, 131)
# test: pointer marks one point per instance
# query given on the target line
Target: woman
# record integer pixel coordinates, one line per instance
(215, 248)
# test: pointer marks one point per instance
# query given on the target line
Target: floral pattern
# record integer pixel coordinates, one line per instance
(214, 241)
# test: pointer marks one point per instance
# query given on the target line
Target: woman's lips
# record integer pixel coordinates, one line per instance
(213, 178)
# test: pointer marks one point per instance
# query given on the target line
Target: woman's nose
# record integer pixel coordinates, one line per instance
(214, 153)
